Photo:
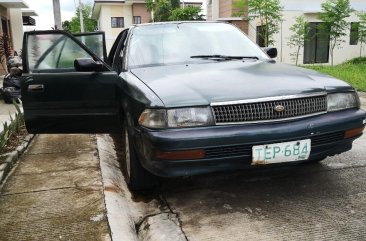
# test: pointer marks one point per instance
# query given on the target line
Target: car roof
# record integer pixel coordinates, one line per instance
(174, 22)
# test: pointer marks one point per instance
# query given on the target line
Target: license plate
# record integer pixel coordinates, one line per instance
(281, 152)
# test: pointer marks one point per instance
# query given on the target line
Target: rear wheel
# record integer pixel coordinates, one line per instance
(137, 177)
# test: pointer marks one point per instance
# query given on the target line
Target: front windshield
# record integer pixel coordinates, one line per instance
(176, 43)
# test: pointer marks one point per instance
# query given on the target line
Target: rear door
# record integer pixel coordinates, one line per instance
(57, 98)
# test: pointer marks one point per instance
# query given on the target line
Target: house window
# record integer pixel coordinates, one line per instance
(136, 19)
(4, 25)
(354, 33)
(118, 22)
(316, 48)
(261, 33)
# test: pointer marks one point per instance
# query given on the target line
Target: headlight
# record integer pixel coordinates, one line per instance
(186, 117)
(176, 118)
(341, 101)
(153, 118)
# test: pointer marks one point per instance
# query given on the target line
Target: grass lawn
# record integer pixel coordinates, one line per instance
(353, 72)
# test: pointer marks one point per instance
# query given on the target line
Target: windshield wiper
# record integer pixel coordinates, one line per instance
(225, 57)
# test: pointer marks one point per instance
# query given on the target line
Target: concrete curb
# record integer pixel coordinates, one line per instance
(127, 220)
(164, 226)
(120, 219)
(13, 157)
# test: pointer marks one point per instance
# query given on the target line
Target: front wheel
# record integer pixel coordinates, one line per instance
(137, 177)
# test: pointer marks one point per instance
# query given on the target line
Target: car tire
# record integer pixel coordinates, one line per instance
(137, 177)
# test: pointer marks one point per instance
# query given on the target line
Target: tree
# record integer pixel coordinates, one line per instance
(66, 26)
(73, 26)
(300, 31)
(175, 4)
(269, 14)
(170, 10)
(161, 9)
(186, 14)
(333, 15)
(362, 31)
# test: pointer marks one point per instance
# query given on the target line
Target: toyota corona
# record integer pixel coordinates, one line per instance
(189, 97)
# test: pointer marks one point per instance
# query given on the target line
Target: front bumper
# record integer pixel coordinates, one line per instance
(229, 147)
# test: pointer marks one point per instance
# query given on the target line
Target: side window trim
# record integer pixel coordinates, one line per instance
(127, 43)
(121, 46)
(113, 50)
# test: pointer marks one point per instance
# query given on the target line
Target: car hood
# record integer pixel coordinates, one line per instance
(202, 84)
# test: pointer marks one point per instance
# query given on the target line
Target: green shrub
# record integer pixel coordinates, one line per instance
(359, 60)
(352, 71)
(4, 136)
(13, 128)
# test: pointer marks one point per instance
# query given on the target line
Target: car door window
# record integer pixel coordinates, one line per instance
(69, 53)
(53, 51)
(94, 41)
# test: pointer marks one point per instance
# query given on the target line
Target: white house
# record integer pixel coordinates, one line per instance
(224, 10)
(114, 15)
(316, 50)
(11, 28)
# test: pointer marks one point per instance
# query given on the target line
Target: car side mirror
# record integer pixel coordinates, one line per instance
(271, 52)
(87, 65)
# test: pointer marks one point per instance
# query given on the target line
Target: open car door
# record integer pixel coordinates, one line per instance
(66, 87)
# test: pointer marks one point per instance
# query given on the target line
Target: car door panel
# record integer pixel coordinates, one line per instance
(58, 99)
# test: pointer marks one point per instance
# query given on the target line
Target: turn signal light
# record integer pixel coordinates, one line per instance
(354, 132)
(181, 155)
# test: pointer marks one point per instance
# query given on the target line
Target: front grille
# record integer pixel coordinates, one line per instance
(265, 111)
(246, 150)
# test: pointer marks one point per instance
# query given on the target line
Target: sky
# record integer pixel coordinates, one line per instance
(44, 10)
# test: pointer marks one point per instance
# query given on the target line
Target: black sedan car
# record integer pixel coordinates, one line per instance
(190, 97)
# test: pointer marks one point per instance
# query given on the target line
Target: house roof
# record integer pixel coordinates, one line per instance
(29, 12)
(13, 4)
(98, 3)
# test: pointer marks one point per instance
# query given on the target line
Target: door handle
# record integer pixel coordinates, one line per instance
(35, 88)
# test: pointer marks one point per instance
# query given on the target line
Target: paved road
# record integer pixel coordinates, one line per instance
(325, 201)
